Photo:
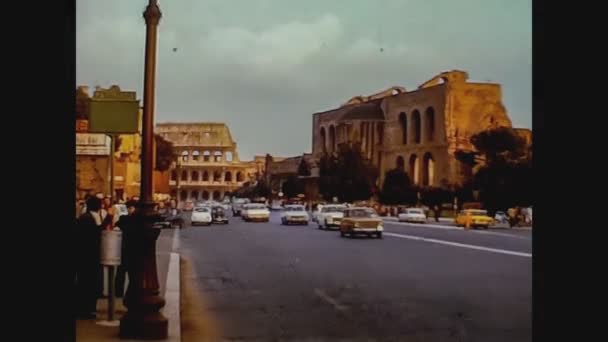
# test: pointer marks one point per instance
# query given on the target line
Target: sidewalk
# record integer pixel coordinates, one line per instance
(168, 277)
(449, 222)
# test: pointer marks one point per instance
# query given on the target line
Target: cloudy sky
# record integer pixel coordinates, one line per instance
(264, 66)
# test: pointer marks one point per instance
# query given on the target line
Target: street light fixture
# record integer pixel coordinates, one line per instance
(143, 319)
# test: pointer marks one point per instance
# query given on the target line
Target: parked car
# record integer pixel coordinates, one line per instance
(255, 212)
(237, 205)
(201, 215)
(361, 220)
(218, 214)
(412, 215)
(330, 216)
(475, 218)
(501, 217)
(294, 214)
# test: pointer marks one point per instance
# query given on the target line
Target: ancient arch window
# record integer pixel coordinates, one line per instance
(195, 155)
(413, 169)
(195, 176)
(205, 195)
(216, 195)
(173, 175)
(217, 176)
(217, 156)
(228, 176)
(184, 175)
(417, 126)
(239, 176)
(206, 156)
(183, 195)
(332, 138)
(173, 193)
(430, 123)
(194, 195)
(205, 176)
(400, 163)
(403, 124)
(323, 140)
(185, 155)
(228, 156)
(428, 169)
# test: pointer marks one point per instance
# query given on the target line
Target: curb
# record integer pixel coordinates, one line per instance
(172, 298)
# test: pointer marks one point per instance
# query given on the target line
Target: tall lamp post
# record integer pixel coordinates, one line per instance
(143, 319)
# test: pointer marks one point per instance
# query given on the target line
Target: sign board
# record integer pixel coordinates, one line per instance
(88, 144)
(111, 246)
(114, 116)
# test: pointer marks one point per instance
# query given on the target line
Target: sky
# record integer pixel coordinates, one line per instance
(265, 66)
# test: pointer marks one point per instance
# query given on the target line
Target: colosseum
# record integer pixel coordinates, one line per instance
(417, 130)
(208, 166)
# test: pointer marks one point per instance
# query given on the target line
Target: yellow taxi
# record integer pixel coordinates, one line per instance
(474, 218)
(361, 220)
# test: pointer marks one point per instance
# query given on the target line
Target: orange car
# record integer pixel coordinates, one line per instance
(361, 220)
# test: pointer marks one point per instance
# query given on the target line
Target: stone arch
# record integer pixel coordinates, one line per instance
(417, 126)
(229, 156)
(428, 169)
(194, 195)
(332, 138)
(239, 176)
(216, 195)
(414, 168)
(205, 195)
(195, 176)
(217, 156)
(430, 124)
(184, 155)
(205, 176)
(403, 125)
(184, 176)
(183, 195)
(228, 176)
(195, 155)
(173, 193)
(323, 140)
(400, 163)
(174, 175)
(217, 176)
(206, 156)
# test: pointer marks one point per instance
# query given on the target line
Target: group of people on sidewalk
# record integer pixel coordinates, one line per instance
(95, 215)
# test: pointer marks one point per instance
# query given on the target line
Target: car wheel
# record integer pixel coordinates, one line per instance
(319, 226)
(379, 235)
(342, 234)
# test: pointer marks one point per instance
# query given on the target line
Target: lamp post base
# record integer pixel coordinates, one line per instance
(146, 326)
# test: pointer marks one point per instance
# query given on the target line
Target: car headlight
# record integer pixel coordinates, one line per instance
(380, 227)
(356, 225)
(330, 219)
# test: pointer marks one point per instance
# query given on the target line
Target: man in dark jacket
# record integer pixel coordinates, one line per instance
(88, 236)
(124, 223)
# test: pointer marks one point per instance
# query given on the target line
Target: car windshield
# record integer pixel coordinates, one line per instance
(414, 211)
(295, 208)
(362, 213)
(333, 209)
(256, 206)
(477, 212)
(201, 210)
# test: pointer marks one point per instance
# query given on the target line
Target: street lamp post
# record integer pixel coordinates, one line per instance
(143, 319)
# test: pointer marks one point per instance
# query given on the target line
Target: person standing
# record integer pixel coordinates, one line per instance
(88, 236)
(125, 223)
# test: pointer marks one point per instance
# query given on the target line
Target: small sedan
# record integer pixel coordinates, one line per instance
(474, 218)
(330, 216)
(218, 214)
(413, 215)
(201, 215)
(361, 220)
(295, 213)
(255, 212)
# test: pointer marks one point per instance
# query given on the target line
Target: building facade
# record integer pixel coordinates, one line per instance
(417, 130)
(208, 165)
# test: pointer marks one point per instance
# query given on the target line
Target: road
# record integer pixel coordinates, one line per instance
(267, 282)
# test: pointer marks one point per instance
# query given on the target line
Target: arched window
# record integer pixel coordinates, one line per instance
(323, 140)
(173, 175)
(228, 176)
(183, 195)
(417, 126)
(403, 124)
(428, 169)
(195, 155)
(173, 193)
(400, 163)
(228, 156)
(239, 176)
(184, 175)
(205, 195)
(185, 155)
(413, 171)
(217, 176)
(194, 195)
(430, 124)
(195, 176)
(216, 195)
(217, 156)
(206, 156)
(205, 176)
(332, 139)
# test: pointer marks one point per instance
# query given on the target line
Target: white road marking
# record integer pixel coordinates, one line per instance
(426, 225)
(172, 298)
(457, 244)
(330, 300)
(175, 246)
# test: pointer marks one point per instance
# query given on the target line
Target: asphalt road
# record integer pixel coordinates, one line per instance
(267, 282)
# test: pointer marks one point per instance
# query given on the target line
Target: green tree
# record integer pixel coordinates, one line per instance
(292, 187)
(397, 188)
(303, 168)
(165, 154)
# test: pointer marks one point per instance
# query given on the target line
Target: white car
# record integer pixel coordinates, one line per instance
(413, 215)
(201, 215)
(295, 213)
(330, 216)
(255, 212)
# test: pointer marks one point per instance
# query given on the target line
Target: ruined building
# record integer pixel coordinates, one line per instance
(208, 166)
(417, 130)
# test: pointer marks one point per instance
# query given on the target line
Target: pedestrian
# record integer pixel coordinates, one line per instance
(125, 223)
(437, 212)
(88, 236)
